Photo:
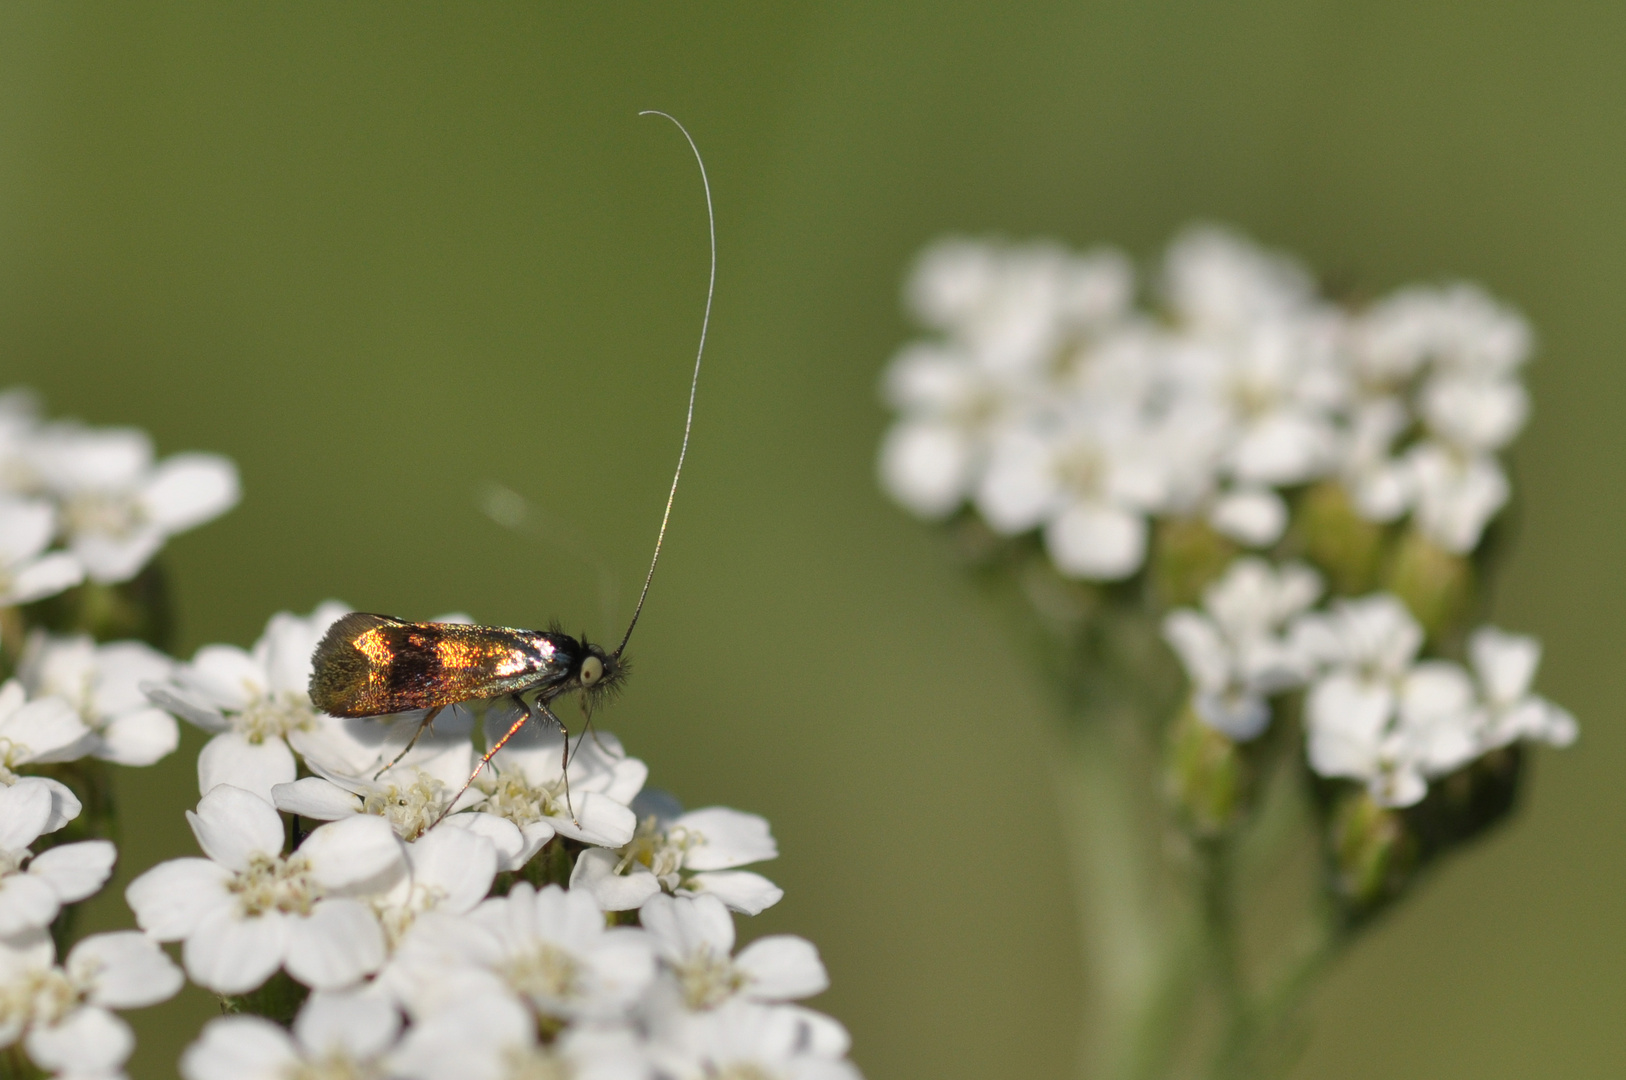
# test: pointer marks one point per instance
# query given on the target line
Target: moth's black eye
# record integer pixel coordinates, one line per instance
(592, 670)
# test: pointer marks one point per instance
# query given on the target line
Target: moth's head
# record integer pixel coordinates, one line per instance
(599, 674)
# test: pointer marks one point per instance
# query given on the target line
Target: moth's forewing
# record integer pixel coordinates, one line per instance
(369, 665)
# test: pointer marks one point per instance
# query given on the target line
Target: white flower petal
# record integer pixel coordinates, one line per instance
(233, 825)
(49, 729)
(1255, 517)
(741, 890)
(1097, 541)
(730, 838)
(685, 925)
(24, 811)
(240, 1048)
(230, 758)
(143, 737)
(47, 575)
(782, 968)
(75, 871)
(335, 946)
(112, 559)
(458, 864)
(26, 903)
(65, 804)
(514, 846)
(925, 467)
(595, 872)
(1505, 663)
(224, 676)
(315, 797)
(599, 820)
(173, 897)
(360, 1026)
(26, 527)
(1197, 642)
(188, 489)
(232, 954)
(353, 851)
(88, 1042)
(124, 970)
(186, 704)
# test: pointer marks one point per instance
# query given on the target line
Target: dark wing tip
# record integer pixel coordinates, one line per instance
(339, 671)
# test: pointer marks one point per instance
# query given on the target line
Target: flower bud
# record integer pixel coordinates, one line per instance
(1210, 780)
(1346, 546)
(1373, 853)
(1189, 555)
(1435, 584)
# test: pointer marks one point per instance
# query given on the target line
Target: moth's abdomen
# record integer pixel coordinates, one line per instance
(369, 665)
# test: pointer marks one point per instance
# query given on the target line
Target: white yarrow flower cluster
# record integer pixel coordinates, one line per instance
(386, 911)
(1374, 711)
(60, 1014)
(78, 501)
(1048, 401)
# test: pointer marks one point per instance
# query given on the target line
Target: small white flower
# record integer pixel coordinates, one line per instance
(1089, 478)
(336, 1036)
(525, 783)
(1457, 329)
(33, 888)
(694, 937)
(770, 1042)
(38, 732)
(448, 870)
(103, 683)
(691, 854)
(61, 1013)
(494, 1038)
(1235, 651)
(258, 702)
(1505, 665)
(247, 909)
(549, 948)
(27, 571)
(1380, 486)
(1219, 282)
(117, 505)
(1377, 715)
(1456, 496)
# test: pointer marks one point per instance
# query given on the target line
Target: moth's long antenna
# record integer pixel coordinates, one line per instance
(694, 384)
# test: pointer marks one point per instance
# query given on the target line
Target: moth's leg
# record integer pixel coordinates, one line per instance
(564, 756)
(428, 718)
(485, 759)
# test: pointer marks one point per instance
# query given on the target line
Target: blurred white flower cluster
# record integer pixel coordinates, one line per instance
(79, 502)
(60, 1014)
(386, 911)
(1048, 400)
(1374, 711)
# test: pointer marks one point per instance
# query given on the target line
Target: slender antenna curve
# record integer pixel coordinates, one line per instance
(694, 384)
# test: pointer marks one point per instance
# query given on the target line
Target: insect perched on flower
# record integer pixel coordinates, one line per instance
(375, 665)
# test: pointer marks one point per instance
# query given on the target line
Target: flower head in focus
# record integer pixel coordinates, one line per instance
(694, 938)
(247, 909)
(699, 852)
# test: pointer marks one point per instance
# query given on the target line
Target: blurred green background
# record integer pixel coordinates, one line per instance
(383, 255)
